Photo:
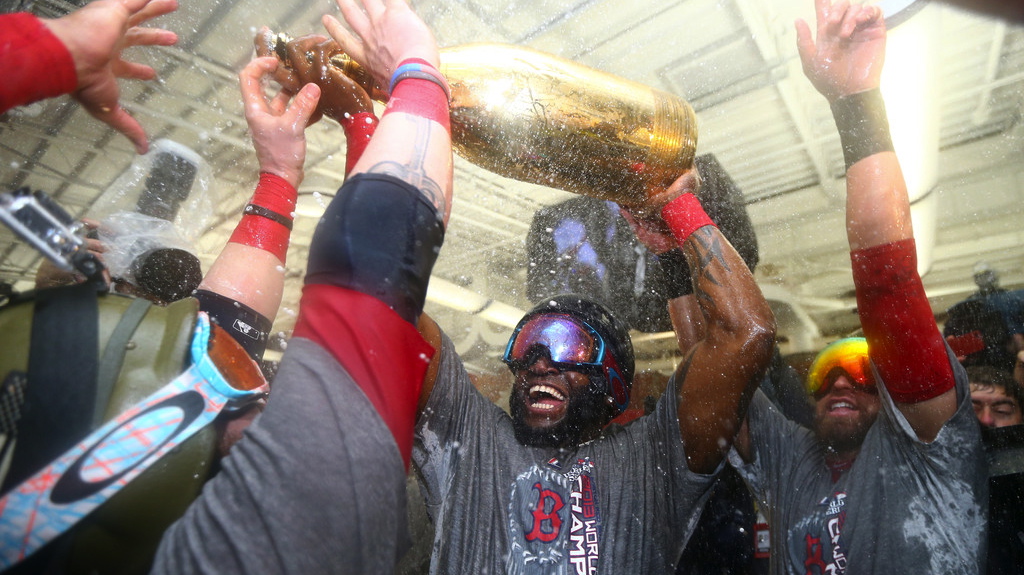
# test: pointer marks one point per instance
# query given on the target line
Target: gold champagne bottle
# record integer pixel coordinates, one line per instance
(538, 118)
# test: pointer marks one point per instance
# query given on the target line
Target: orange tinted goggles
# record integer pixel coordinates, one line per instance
(849, 355)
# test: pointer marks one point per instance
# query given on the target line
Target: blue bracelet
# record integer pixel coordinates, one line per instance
(419, 72)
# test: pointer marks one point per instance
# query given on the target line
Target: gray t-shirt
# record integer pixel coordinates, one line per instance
(623, 503)
(316, 486)
(903, 507)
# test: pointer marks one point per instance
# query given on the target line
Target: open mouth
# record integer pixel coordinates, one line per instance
(544, 398)
(841, 407)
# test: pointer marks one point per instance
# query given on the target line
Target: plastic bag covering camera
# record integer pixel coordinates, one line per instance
(161, 201)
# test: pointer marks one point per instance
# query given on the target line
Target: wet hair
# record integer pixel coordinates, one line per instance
(988, 377)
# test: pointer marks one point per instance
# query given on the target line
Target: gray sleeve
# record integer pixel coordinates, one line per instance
(452, 396)
(776, 443)
(316, 485)
(961, 432)
(455, 413)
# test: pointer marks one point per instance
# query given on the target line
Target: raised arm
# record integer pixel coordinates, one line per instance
(721, 371)
(413, 140)
(382, 232)
(250, 269)
(844, 62)
(85, 65)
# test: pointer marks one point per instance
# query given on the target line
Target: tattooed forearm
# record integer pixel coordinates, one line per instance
(707, 247)
(427, 186)
(413, 169)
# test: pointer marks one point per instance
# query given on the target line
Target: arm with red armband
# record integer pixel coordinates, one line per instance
(371, 257)
(904, 342)
(718, 375)
(248, 275)
(42, 58)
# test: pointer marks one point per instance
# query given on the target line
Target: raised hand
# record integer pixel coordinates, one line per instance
(846, 56)
(112, 26)
(278, 125)
(387, 32)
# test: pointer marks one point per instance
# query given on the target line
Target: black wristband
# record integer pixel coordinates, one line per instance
(678, 281)
(257, 210)
(863, 125)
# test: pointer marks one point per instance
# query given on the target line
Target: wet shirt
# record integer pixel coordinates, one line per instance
(623, 503)
(316, 486)
(904, 506)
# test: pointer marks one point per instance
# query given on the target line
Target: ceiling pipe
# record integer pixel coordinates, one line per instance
(458, 298)
(995, 53)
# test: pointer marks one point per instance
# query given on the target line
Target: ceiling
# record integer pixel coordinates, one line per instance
(734, 60)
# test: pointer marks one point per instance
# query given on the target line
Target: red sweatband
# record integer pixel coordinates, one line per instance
(34, 63)
(358, 131)
(385, 354)
(267, 221)
(903, 338)
(423, 98)
(684, 215)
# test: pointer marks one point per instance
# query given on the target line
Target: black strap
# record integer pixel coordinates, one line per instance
(258, 210)
(113, 356)
(62, 370)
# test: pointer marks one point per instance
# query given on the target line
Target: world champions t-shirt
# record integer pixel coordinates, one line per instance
(623, 503)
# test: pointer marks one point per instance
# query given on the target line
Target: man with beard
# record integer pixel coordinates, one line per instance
(551, 489)
(892, 479)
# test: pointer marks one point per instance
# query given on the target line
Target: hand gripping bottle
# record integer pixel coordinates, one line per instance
(538, 118)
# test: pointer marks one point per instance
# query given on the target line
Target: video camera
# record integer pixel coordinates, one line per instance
(39, 220)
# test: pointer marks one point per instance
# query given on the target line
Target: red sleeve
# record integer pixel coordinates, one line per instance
(903, 339)
(385, 354)
(34, 64)
(358, 131)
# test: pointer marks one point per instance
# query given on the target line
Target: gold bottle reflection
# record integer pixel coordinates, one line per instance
(542, 119)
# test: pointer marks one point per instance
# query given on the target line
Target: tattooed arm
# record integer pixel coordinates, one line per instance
(423, 160)
(719, 374)
(413, 141)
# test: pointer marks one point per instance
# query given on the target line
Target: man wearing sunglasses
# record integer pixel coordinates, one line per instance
(548, 488)
(892, 479)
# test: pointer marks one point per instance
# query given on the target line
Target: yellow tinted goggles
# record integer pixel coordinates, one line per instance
(849, 355)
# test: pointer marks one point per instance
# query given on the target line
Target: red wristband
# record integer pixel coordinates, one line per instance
(358, 131)
(684, 215)
(898, 323)
(423, 98)
(35, 64)
(266, 224)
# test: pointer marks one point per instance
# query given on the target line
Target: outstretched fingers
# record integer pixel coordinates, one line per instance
(805, 43)
(132, 71)
(302, 107)
(349, 43)
(117, 118)
(142, 10)
(148, 37)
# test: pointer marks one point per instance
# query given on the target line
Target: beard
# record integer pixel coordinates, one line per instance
(586, 413)
(843, 437)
